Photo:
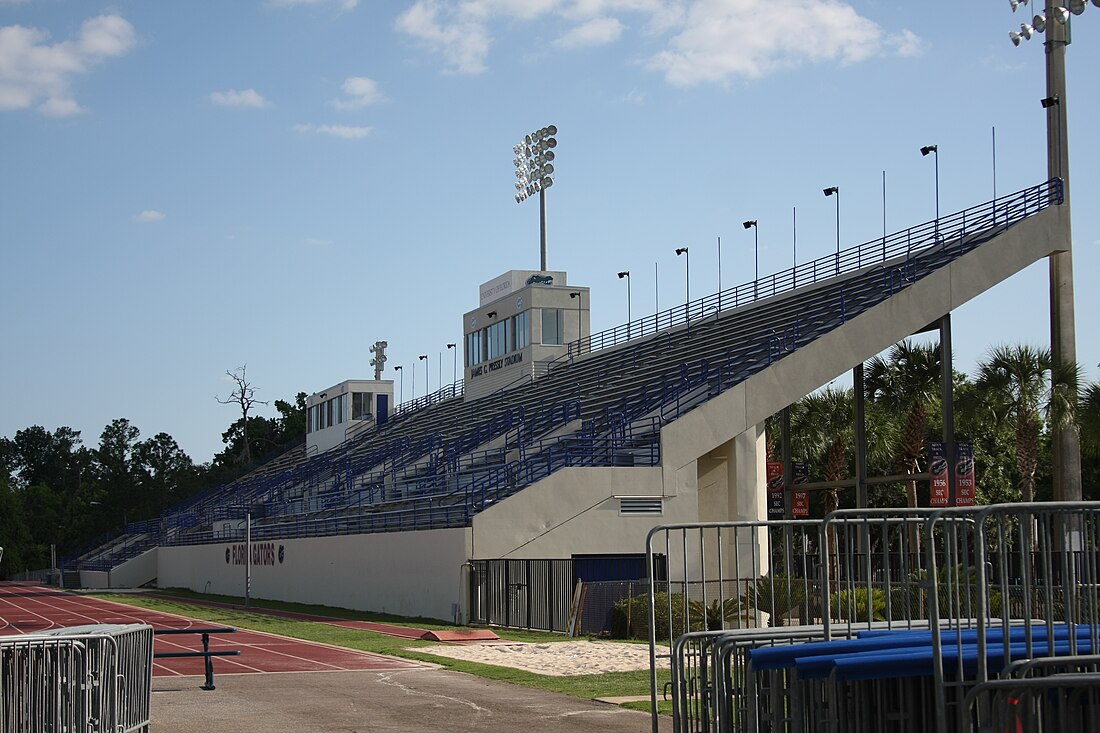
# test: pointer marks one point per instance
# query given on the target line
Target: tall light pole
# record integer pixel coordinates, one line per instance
(1063, 346)
(534, 174)
(687, 276)
(835, 191)
(924, 152)
(626, 274)
(751, 224)
(424, 358)
(719, 273)
(402, 371)
(454, 377)
(577, 294)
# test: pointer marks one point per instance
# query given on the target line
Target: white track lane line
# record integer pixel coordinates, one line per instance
(95, 603)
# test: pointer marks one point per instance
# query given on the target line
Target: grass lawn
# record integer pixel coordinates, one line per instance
(609, 684)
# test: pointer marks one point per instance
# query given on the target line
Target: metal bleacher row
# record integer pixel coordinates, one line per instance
(440, 461)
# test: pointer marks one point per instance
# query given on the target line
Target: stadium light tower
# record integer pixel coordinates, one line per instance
(535, 173)
(1063, 346)
(751, 224)
(626, 274)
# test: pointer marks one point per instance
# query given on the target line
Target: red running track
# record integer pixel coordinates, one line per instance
(26, 608)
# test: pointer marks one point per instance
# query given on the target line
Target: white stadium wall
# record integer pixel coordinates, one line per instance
(405, 573)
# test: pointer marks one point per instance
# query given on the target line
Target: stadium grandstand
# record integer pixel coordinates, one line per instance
(559, 449)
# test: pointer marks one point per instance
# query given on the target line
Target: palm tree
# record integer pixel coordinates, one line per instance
(1022, 385)
(907, 381)
(1088, 417)
(822, 428)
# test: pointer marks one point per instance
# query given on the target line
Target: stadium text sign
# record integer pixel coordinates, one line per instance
(492, 366)
(263, 553)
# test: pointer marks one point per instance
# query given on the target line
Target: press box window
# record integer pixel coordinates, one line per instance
(553, 331)
(361, 403)
(523, 330)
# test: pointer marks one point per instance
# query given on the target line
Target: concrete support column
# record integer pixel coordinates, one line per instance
(748, 495)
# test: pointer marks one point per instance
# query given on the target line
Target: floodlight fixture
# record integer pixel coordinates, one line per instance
(1016, 3)
(831, 190)
(1014, 37)
(491, 314)
(1077, 6)
(534, 173)
(1039, 23)
(1026, 31)
(1061, 15)
(681, 250)
(929, 149)
(574, 294)
(624, 273)
(749, 224)
(1049, 102)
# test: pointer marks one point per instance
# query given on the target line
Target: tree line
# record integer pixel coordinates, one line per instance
(1007, 410)
(57, 490)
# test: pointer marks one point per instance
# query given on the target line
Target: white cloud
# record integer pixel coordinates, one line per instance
(359, 91)
(729, 39)
(343, 5)
(462, 39)
(347, 132)
(245, 99)
(705, 41)
(596, 32)
(149, 216)
(35, 72)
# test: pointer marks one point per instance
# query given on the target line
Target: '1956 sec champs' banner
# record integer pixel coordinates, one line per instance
(938, 492)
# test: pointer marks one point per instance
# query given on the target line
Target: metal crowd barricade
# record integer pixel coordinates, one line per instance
(902, 613)
(89, 678)
(723, 575)
(1059, 703)
(1032, 573)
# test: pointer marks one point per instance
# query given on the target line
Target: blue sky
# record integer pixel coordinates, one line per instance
(189, 187)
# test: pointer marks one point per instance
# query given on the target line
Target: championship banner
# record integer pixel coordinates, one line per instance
(800, 500)
(775, 489)
(965, 484)
(938, 491)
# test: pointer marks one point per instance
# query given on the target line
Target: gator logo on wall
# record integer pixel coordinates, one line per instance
(540, 280)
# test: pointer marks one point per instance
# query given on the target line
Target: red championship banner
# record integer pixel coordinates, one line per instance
(775, 489)
(800, 500)
(938, 491)
(965, 484)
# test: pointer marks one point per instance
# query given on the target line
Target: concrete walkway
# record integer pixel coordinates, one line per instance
(355, 702)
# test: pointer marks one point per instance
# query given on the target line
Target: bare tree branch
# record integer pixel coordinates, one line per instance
(244, 395)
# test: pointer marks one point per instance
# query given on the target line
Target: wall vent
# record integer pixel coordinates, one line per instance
(651, 505)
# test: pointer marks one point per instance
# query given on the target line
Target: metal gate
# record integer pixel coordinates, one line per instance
(539, 594)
